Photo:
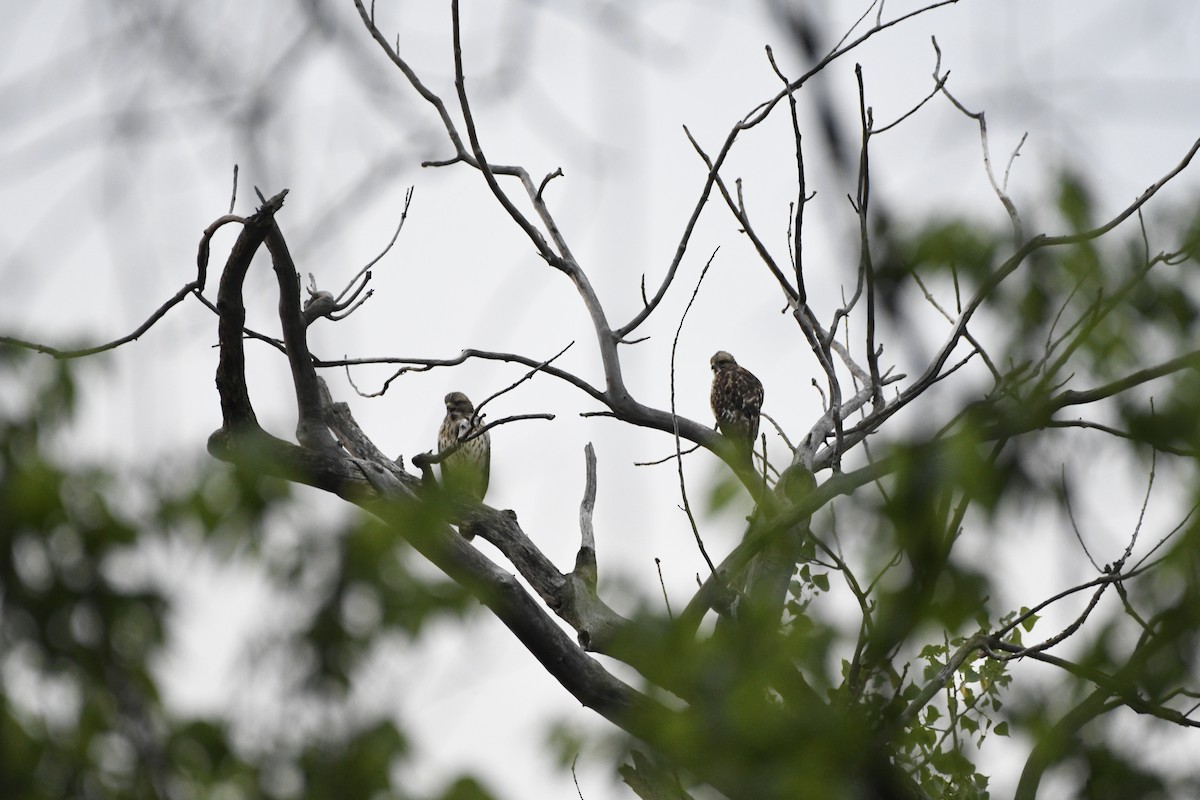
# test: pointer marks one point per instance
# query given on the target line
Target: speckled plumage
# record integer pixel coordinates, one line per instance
(465, 472)
(737, 398)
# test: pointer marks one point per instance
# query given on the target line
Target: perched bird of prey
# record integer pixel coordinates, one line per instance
(465, 471)
(736, 398)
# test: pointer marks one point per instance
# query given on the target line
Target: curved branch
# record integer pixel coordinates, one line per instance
(1071, 397)
(311, 430)
(194, 287)
(1127, 693)
(426, 364)
(1053, 744)
(423, 90)
(236, 411)
(481, 162)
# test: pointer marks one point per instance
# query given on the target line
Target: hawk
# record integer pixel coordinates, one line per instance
(465, 471)
(736, 398)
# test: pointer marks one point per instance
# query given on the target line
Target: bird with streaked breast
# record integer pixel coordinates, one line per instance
(465, 472)
(736, 398)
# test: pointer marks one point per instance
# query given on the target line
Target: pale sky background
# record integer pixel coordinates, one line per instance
(117, 144)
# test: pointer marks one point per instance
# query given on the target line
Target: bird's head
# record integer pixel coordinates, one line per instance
(721, 360)
(457, 402)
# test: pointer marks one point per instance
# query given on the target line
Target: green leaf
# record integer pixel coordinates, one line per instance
(930, 652)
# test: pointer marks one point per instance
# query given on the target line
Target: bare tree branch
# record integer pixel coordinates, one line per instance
(980, 118)
(194, 287)
(585, 559)
(754, 117)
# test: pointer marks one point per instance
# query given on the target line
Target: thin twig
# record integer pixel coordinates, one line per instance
(427, 364)
(574, 777)
(970, 337)
(1066, 497)
(408, 196)
(194, 287)
(779, 430)
(664, 459)
(687, 507)
(981, 119)
(558, 173)
(738, 208)
(866, 265)
(481, 161)
(431, 458)
(538, 368)
(796, 215)
(666, 600)
(233, 193)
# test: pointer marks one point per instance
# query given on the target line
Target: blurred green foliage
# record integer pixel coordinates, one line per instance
(81, 714)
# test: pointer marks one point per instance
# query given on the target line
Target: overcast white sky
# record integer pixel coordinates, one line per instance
(120, 125)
